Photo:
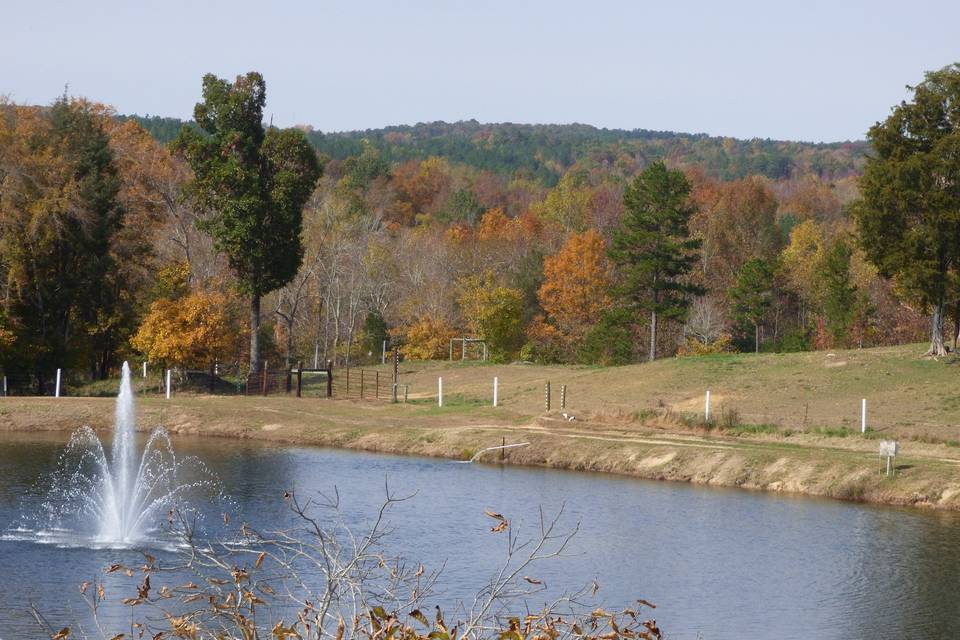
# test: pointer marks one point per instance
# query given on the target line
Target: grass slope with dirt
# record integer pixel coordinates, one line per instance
(784, 422)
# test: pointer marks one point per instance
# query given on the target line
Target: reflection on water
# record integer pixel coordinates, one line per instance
(721, 563)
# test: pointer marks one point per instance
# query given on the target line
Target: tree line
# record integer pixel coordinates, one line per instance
(237, 242)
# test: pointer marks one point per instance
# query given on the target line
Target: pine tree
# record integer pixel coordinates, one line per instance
(653, 249)
(841, 299)
(752, 295)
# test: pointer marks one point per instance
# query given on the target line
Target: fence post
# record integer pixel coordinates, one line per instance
(376, 385)
(329, 381)
(563, 396)
(263, 379)
(168, 384)
(361, 384)
(56, 391)
(547, 394)
(383, 353)
(706, 408)
(863, 416)
(4, 386)
(300, 378)
(144, 368)
(440, 392)
(496, 385)
(289, 379)
(396, 372)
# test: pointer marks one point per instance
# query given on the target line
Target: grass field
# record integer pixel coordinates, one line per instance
(907, 396)
(785, 422)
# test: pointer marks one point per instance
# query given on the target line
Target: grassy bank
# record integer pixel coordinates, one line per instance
(784, 422)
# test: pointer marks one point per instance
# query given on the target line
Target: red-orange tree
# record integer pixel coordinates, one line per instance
(574, 292)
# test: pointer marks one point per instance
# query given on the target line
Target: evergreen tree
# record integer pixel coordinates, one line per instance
(653, 249)
(752, 295)
(841, 298)
(909, 214)
(254, 184)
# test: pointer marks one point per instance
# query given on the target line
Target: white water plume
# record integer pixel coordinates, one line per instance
(117, 502)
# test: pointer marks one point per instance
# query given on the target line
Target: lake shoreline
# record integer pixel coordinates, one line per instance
(926, 475)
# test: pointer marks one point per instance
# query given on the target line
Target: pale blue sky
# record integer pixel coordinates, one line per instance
(799, 70)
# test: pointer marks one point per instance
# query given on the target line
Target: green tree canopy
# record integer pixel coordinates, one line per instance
(653, 249)
(752, 295)
(253, 182)
(909, 214)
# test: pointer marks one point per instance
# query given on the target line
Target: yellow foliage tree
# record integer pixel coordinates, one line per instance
(802, 259)
(192, 331)
(494, 313)
(427, 339)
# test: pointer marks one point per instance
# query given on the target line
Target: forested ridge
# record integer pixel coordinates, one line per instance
(546, 151)
(227, 240)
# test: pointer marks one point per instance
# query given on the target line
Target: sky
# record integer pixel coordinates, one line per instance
(810, 70)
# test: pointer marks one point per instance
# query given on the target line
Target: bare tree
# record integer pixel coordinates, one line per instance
(325, 581)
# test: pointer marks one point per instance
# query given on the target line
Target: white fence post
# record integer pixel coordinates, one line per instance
(168, 384)
(144, 368)
(706, 408)
(383, 353)
(439, 392)
(496, 385)
(4, 386)
(863, 416)
(56, 392)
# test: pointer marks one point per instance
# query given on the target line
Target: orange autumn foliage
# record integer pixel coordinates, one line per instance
(575, 287)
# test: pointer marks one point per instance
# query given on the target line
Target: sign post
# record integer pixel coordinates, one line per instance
(889, 449)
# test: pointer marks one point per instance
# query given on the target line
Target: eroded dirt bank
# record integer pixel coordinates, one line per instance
(927, 475)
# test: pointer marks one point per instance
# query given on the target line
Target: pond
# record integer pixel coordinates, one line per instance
(717, 563)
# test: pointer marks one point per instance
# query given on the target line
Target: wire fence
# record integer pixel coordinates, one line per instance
(219, 379)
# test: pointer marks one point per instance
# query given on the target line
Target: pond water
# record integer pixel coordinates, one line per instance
(717, 563)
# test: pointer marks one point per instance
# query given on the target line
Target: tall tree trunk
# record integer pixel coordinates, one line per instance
(756, 338)
(255, 334)
(653, 336)
(956, 324)
(936, 332)
(289, 354)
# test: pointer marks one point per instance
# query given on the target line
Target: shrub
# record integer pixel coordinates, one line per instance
(192, 331)
(427, 339)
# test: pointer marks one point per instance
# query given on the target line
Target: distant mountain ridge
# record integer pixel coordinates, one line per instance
(545, 151)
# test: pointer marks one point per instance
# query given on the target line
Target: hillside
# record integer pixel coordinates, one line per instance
(545, 152)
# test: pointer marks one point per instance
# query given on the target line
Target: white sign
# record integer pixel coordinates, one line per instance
(889, 448)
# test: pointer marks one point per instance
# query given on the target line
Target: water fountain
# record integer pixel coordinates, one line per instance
(120, 501)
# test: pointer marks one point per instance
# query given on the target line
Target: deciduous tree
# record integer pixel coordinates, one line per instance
(575, 289)
(253, 182)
